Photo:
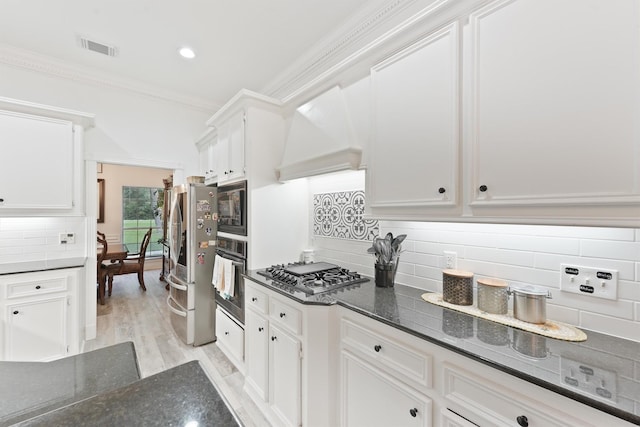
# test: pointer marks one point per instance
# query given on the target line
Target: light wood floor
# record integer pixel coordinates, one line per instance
(131, 314)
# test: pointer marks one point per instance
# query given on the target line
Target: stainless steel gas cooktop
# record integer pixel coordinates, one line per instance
(313, 278)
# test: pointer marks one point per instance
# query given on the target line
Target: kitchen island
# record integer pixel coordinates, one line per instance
(568, 368)
(103, 387)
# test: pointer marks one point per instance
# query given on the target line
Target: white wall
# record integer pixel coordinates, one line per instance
(130, 128)
(518, 254)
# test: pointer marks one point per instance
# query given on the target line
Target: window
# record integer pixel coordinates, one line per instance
(142, 209)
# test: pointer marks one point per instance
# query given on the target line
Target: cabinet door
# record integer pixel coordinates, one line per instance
(36, 330)
(212, 160)
(37, 173)
(236, 146)
(554, 103)
(284, 376)
(371, 398)
(257, 353)
(415, 147)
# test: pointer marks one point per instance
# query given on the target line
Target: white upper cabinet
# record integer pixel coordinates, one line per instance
(553, 102)
(521, 111)
(41, 170)
(415, 145)
(230, 148)
(207, 159)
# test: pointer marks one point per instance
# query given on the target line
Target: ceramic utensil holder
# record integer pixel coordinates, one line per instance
(457, 287)
(385, 274)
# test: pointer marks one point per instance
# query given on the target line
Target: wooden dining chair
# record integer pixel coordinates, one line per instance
(105, 271)
(134, 263)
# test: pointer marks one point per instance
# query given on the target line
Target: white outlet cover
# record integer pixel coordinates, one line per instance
(589, 281)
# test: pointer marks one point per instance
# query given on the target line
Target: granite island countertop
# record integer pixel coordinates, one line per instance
(531, 357)
(29, 389)
(180, 396)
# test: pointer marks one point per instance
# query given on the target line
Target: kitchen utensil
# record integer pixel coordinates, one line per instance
(385, 275)
(457, 287)
(530, 303)
(493, 296)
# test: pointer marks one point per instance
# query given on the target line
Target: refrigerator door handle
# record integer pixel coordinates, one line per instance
(177, 286)
(175, 310)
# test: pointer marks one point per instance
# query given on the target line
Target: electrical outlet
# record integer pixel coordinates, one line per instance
(450, 259)
(67, 238)
(595, 282)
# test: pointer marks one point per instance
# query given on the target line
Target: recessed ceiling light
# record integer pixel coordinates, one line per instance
(187, 52)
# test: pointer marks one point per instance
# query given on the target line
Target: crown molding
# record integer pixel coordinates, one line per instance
(350, 37)
(24, 59)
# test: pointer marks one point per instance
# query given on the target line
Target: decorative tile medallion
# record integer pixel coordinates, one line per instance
(339, 215)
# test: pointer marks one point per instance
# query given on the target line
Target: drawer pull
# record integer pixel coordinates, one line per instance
(282, 315)
(260, 329)
(522, 421)
(254, 299)
(38, 287)
(441, 190)
(273, 338)
(413, 412)
(483, 188)
(16, 312)
(377, 348)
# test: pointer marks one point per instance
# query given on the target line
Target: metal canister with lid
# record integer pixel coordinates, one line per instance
(457, 287)
(493, 296)
(530, 303)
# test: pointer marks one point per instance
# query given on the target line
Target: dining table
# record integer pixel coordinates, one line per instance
(116, 254)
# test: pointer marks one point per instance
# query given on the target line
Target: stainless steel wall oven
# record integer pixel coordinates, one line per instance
(235, 251)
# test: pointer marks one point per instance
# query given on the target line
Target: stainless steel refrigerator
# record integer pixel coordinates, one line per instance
(192, 238)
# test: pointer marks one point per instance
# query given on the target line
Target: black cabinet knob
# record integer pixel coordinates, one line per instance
(522, 421)
(254, 299)
(273, 338)
(413, 412)
(260, 329)
(377, 348)
(226, 333)
(230, 171)
(282, 315)
(482, 188)
(1, 200)
(441, 190)
(16, 312)
(38, 287)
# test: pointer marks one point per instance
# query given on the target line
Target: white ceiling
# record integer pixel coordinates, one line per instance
(239, 43)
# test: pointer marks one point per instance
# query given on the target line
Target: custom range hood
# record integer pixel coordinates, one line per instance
(321, 139)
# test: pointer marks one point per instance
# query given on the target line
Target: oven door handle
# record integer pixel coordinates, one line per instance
(175, 310)
(177, 286)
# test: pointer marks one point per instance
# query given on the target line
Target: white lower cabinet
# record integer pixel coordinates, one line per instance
(387, 376)
(230, 338)
(284, 375)
(288, 352)
(39, 315)
(373, 398)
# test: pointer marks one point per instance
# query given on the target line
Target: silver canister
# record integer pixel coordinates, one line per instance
(457, 287)
(530, 303)
(493, 296)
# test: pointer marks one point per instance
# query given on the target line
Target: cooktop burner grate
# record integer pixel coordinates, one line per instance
(313, 278)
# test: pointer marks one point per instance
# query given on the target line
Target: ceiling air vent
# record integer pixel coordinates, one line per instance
(98, 47)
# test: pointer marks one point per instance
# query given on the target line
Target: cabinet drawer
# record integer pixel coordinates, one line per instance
(230, 335)
(256, 299)
(285, 315)
(414, 366)
(31, 287)
(478, 400)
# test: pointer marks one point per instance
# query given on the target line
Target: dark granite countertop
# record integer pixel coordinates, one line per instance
(42, 265)
(612, 363)
(179, 396)
(28, 389)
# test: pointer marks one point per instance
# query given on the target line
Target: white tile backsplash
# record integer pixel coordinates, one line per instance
(518, 254)
(37, 238)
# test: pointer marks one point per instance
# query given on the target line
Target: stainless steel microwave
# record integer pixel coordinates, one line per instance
(232, 208)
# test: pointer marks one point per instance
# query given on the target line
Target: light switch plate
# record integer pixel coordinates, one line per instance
(594, 282)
